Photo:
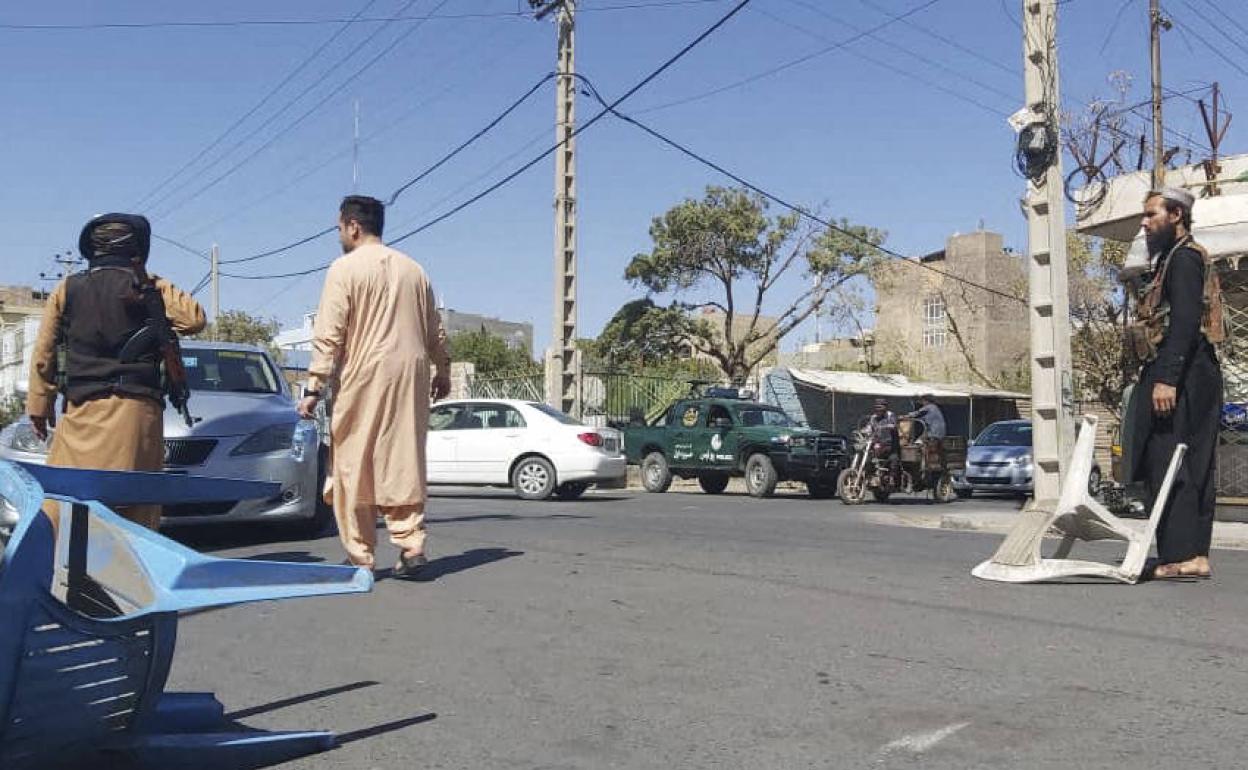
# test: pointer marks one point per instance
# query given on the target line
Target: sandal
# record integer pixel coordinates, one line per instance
(1184, 570)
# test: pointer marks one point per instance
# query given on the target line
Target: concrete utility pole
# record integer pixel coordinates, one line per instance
(1052, 388)
(563, 388)
(216, 288)
(1155, 24)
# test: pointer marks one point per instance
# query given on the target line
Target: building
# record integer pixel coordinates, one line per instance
(766, 326)
(945, 330)
(846, 353)
(21, 308)
(516, 334)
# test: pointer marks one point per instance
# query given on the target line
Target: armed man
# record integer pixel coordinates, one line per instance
(112, 324)
(1178, 399)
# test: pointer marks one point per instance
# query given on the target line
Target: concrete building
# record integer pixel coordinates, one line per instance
(21, 308)
(516, 334)
(842, 353)
(740, 326)
(943, 330)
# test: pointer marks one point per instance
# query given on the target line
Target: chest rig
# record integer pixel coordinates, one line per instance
(1144, 334)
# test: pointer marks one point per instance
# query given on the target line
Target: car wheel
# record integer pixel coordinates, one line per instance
(534, 478)
(880, 495)
(852, 486)
(760, 476)
(1094, 482)
(713, 483)
(944, 491)
(655, 475)
(571, 490)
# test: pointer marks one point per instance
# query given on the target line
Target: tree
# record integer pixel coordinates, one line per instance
(726, 245)
(488, 353)
(242, 327)
(12, 408)
(1097, 307)
(642, 334)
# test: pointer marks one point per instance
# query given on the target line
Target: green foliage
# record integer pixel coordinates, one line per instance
(642, 334)
(12, 408)
(242, 327)
(1097, 308)
(725, 252)
(489, 353)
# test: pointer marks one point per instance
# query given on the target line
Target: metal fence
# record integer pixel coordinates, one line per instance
(1232, 463)
(526, 385)
(606, 396)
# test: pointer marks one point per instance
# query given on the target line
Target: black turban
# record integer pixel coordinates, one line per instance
(116, 236)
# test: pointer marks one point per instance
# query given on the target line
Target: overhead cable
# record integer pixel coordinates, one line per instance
(741, 4)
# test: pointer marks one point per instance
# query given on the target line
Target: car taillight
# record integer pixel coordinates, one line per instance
(593, 439)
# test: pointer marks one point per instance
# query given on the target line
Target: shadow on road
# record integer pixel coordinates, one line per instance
(297, 557)
(502, 517)
(297, 699)
(449, 565)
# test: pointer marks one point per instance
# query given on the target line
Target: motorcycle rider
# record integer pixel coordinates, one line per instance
(883, 427)
(932, 417)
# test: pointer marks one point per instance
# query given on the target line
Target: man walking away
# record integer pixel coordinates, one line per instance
(378, 332)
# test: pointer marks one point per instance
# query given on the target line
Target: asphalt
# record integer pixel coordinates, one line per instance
(684, 630)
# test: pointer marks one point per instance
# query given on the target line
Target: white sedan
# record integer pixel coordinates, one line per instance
(534, 448)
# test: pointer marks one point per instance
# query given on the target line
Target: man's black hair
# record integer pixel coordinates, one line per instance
(369, 213)
(1185, 216)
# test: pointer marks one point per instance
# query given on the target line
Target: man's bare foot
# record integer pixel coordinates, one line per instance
(1195, 567)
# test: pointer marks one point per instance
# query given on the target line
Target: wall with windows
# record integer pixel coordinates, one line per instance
(939, 329)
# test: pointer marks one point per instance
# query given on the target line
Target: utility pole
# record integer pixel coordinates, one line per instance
(216, 289)
(563, 390)
(1156, 22)
(355, 151)
(1052, 387)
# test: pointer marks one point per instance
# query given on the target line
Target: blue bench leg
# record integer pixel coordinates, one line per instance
(185, 712)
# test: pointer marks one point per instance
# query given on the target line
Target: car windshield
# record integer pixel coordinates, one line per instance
(1005, 434)
(772, 418)
(550, 411)
(228, 371)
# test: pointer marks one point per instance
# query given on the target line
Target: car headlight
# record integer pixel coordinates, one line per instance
(1022, 460)
(781, 439)
(23, 439)
(275, 438)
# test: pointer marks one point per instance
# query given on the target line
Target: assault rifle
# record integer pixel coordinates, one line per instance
(157, 333)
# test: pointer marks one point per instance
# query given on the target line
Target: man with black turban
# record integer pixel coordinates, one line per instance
(114, 402)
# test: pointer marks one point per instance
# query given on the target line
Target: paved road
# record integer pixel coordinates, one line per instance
(694, 631)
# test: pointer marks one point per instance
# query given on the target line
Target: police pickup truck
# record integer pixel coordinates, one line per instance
(723, 435)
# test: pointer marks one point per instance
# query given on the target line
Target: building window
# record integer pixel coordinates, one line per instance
(935, 322)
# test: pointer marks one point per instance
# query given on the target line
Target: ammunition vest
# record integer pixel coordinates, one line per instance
(99, 317)
(1152, 318)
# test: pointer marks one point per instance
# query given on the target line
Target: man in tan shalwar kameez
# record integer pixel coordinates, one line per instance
(113, 419)
(378, 333)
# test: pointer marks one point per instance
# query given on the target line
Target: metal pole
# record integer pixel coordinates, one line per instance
(216, 288)
(1155, 22)
(1052, 387)
(567, 396)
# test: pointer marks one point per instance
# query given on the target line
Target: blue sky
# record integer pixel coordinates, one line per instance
(95, 119)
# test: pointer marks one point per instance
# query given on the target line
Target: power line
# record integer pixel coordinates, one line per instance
(789, 64)
(263, 101)
(593, 92)
(946, 40)
(1216, 27)
(316, 22)
(184, 247)
(903, 72)
(291, 126)
(507, 179)
(1188, 28)
(386, 125)
(402, 188)
(1228, 17)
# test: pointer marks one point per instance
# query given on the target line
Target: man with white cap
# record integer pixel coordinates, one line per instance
(1178, 398)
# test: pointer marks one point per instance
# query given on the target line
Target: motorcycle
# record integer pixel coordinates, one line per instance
(923, 465)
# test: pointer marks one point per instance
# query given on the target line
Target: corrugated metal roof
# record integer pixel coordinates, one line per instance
(895, 385)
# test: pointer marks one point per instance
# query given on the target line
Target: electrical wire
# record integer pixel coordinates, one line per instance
(593, 93)
(946, 40)
(1216, 27)
(263, 101)
(308, 113)
(1182, 25)
(899, 70)
(414, 180)
(315, 22)
(741, 4)
(789, 64)
(190, 250)
(1228, 17)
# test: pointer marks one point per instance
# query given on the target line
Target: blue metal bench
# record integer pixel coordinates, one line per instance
(88, 626)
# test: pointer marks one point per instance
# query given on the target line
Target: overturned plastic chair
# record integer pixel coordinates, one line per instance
(1078, 516)
(86, 673)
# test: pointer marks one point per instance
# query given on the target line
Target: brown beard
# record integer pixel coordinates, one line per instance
(1161, 241)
